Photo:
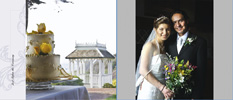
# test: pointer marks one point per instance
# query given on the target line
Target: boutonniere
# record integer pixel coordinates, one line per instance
(189, 41)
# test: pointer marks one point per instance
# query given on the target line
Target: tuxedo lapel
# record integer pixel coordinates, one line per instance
(186, 46)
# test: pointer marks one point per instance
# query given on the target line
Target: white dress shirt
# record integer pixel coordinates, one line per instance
(184, 37)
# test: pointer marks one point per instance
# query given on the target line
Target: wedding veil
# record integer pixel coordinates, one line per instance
(139, 78)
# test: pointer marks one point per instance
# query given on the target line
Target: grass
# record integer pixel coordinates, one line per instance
(113, 97)
(76, 82)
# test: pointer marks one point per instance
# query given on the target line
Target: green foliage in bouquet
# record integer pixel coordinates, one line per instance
(178, 75)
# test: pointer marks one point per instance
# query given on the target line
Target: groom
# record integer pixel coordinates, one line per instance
(194, 50)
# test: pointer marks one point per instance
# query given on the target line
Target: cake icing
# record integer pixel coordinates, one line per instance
(35, 40)
(41, 62)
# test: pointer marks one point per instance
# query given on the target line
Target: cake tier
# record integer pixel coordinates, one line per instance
(35, 40)
(42, 67)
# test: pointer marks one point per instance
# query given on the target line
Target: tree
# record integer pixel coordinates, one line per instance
(30, 3)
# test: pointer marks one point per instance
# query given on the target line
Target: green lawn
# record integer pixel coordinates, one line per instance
(113, 97)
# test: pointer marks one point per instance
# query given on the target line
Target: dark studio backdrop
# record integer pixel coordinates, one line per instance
(200, 14)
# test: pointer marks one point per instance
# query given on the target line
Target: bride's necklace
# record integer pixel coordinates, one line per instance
(162, 48)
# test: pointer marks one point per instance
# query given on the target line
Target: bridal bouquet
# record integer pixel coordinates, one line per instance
(178, 74)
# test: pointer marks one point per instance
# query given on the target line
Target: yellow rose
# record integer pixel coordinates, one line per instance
(49, 32)
(33, 32)
(41, 27)
(37, 50)
(46, 33)
(45, 48)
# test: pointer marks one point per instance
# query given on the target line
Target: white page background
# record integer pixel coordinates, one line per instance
(12, 42)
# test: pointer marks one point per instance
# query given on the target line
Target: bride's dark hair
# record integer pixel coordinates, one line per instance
(161, 20)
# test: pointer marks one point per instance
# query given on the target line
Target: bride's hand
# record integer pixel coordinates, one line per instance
(167, 93)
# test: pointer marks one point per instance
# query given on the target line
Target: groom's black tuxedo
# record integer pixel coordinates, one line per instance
(196, 53)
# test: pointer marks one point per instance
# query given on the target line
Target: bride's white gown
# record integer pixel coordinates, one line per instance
(149, 91)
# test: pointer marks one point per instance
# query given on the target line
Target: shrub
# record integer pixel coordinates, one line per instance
(76, 82)
(76, 77)
(114, 82)
(108, 85)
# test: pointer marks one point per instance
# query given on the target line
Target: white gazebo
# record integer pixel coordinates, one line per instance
(89, 61)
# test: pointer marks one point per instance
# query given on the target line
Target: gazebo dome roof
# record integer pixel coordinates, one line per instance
(90, 50)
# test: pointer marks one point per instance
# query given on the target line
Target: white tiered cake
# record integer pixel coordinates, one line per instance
(41, 62)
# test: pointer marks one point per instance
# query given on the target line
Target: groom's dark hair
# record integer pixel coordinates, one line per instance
(180, 12)
(186, 18)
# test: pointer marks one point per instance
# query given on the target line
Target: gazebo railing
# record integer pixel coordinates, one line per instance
(106, 78)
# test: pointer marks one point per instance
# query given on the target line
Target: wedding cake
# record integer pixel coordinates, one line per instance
(41, 62)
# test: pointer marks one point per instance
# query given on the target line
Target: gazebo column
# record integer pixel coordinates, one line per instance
(108, 67)
(110, 70)
(70, 67)
(83, 70)
(100, 74)
(103, 67)
(81, 66)
(73, 71)
(80, 70)
(109, 77)
(91, 73)
(103, 72)
(77, 61)
(84, 66)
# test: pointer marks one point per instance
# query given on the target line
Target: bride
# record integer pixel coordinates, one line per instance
(151, 83)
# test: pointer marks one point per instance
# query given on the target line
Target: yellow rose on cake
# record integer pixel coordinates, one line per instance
(45, 48)
(49, 32)
(37, 50)
(33, 32)
(41, 28)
